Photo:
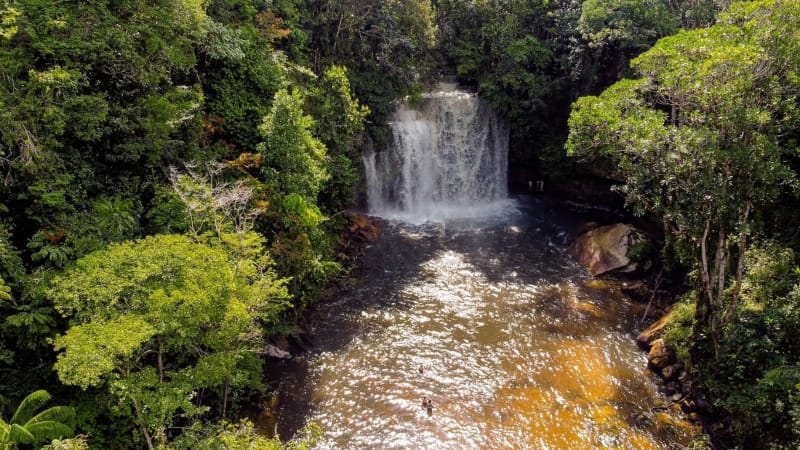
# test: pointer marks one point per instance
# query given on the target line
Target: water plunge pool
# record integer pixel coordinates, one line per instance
(514, 343)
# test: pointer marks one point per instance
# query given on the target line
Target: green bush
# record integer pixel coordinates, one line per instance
(757, 374)
(640, 251)
(678, 332)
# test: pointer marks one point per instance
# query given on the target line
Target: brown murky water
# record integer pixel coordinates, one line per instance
(515, 344)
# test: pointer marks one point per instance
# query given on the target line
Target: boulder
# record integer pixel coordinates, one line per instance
(636, 290)
(362, 229)
(671, 371)
(583, 228)
(660, 356)
(653, 332)
(605, 249)
(275, 352)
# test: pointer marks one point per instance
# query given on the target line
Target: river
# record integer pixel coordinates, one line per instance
(516, 345)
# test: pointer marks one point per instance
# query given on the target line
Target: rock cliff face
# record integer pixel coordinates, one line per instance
(605, 249)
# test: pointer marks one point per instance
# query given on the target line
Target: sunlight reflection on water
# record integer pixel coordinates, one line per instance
(503, 332)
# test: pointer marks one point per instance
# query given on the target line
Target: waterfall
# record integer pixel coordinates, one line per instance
(448, 159)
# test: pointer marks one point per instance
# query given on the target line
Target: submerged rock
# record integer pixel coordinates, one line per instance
(637, 290)
(605, 249)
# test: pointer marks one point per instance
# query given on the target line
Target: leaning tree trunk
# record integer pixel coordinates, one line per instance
(225, 396)
(143, 426)
(708, 305)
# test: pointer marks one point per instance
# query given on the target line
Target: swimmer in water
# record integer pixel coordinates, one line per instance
(427, 403)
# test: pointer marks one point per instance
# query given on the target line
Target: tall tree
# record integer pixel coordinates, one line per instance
(700, 139)
(294, 171)
(157, 321)
(294, 160)
(340, 124)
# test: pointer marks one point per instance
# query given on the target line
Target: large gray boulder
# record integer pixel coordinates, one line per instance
(605, 249)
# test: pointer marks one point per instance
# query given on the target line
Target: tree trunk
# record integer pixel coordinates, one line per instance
(143, 426)
(338, 31)
(704, 301)
(737, 288)
(225, 397)
(719, 273)
(160, 360)
(705, 298)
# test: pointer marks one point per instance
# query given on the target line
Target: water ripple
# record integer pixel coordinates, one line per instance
(513, 344)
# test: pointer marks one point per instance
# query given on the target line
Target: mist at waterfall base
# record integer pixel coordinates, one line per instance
(448, 159)
(470, 300)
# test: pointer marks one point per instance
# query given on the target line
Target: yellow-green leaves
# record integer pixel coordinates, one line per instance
(713, 69)
(5, 291)
(616, 123)
(189, 14)
(94, 351)
(8, 20)
(699, 135)
(155, 320)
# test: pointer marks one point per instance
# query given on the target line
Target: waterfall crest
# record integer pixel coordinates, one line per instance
(448, 159)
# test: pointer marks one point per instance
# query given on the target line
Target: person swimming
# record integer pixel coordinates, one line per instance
(427, 403)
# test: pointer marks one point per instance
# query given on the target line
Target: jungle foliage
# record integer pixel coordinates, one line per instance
(173, 177)
(706, 139)
(168, 170)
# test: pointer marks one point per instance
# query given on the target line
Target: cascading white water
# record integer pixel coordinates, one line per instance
(448, 159)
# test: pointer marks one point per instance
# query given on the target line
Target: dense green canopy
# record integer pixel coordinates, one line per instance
(173, 176)
(706, 140)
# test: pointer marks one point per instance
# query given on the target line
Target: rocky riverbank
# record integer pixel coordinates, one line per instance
(616, 251)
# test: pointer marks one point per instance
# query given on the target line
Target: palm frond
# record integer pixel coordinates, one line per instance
(4, 429)
(55, 413)
(20, 435)
(5, 291)
(48, 430)
(29, 405)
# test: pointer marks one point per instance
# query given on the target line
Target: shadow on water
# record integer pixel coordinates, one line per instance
(516, 344)
(386, 266)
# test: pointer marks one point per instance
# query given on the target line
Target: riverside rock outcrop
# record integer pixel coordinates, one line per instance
(660, 356)
(648, 335)
(606, 249)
